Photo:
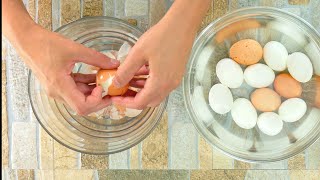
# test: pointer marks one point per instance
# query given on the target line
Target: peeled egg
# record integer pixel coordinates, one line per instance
(246, 52)
(265, 100)
(220, 99)
(244, 114)
(300, 67)
(292, 109)
(229, 73)
(275, 55)
(286, 86)
(259, 75)
(104, 78)
(270, 123)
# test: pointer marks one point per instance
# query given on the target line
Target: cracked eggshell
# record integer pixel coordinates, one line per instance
(220, 99)
(132, 112)
(270, 123)
(259, 75)
(300, 67)
(275, 55)
(123, 52)
(243, 113)
(292, 109)
(229, 73)
(104, 78)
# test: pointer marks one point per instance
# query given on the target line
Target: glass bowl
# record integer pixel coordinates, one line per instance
(213, 43)
(87, 134)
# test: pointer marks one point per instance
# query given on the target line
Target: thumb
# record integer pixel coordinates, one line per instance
(128, 68)
(95, 58)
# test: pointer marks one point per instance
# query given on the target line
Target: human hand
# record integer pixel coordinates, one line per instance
(52, 58)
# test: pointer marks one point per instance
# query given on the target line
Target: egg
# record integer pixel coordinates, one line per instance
(203, 60)
(300, 67)
(275, 55)
(229, 73)
(243, 113)
(104, 78)
(292, 109)
(265, 100)
(317, 98)
(259, 75)
(246, 52)
(270, 123)
(220, 99)
(286, 86)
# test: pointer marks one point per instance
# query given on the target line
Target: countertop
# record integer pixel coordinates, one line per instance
(174, 150)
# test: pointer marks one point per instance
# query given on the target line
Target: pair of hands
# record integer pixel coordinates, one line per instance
(52, 58)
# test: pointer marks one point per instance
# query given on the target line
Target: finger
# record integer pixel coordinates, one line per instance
(139, 83)
(130, 66)
(130, 93)
(95, 58)
(84, 78)
(142, 71)
(85, 88)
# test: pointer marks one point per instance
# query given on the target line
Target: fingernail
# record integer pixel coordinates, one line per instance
(116, 83)
(114, 61)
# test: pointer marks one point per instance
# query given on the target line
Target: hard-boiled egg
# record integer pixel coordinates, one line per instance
(244, 114)
(229, 73)
(259, 75)
(286, 86)
(275, 55)
(246, 52)
(220, 99)
(265, 100)
(104, 78)
(292, 109)
(300, 67)
(270, 123)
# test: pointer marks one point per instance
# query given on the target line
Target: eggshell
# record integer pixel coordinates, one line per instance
(270, 123)
(265, 100)
(220, 99)
(286, 86)
(300, 67)
(244, 114)
(229, 73)
(201, 107)
(123, 52)
(104, 78)
(275, 55)
(246, 52)
(292, 109)
(314, 54)
(259, 75)
(132, 112)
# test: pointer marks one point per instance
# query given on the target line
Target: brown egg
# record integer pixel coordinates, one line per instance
(104, 76)
(265, 100)
(246, 52)
(286, 86)
(317, 100)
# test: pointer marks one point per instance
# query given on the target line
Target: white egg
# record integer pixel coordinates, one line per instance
(201, 107)
(292, 109)
(259, 75)
(275, 55)
(300, 67)
(244, 114)
(229, 73)
(270, 123)
(314, 54)
(202, 72)
(220, 99)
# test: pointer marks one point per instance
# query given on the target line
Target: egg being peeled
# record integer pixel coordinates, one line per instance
(104, 79)
(265, 100)
(246, 52)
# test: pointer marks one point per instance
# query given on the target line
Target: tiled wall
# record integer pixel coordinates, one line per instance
(28, 152)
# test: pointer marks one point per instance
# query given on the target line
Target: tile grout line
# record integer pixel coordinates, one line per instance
(81, 8)
(56, 11)
(104, 8)
(37, 11)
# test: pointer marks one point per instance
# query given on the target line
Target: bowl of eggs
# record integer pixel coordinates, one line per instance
(114, 128)
(252, 87)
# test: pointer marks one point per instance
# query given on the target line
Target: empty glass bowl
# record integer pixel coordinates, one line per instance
(213, 44)
(84, 133)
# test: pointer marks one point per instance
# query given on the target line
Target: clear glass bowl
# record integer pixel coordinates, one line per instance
(213, 44)
(83, 133)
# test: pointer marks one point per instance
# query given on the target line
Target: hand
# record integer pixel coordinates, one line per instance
(52, 58)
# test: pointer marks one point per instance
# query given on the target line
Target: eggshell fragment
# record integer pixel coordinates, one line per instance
(265, 100)
(275, 55)
(270, 123)
(259, 75)
(286, 86)
(220, 99)
(246, 52)
(300, 67)
(104, 78)
(292, 109)
(244, 114)
(229, 73)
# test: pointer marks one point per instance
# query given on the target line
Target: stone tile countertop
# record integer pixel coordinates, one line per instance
(174, 150)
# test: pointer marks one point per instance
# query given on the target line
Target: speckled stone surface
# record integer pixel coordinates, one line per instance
(75, 174)
(65, 158)
(26, 174)
(144, 174)
(46, 154)
(93, 8)
(135, 156)
(205, 154)
(4, 117)
(136, 7)
(70, 11)
(45, 13)
(94, 161)
(217, 174)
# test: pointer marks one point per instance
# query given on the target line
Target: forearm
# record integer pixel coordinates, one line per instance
(16, 21)
(187, 14)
